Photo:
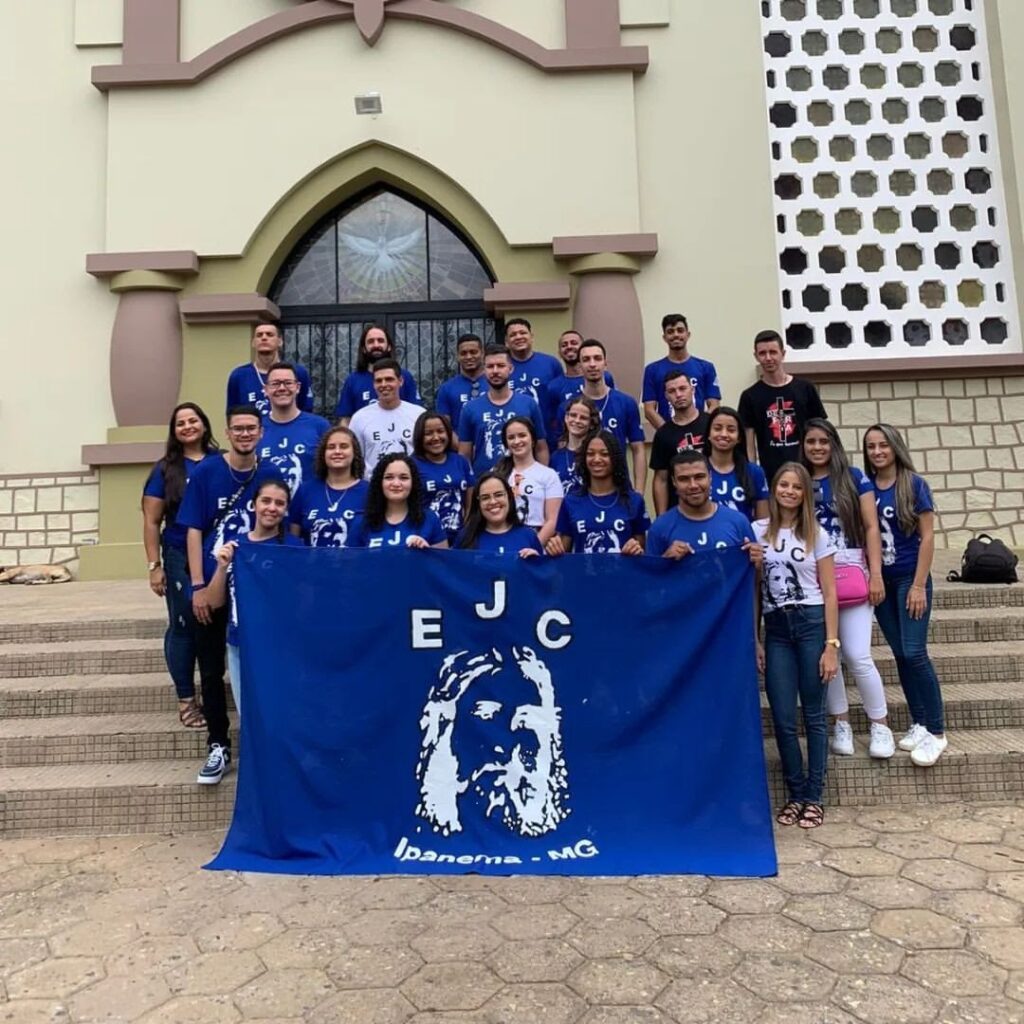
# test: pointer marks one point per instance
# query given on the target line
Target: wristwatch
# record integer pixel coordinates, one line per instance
(153, 565)
(833, 643)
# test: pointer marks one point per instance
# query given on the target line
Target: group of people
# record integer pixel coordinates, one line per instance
(525, 455)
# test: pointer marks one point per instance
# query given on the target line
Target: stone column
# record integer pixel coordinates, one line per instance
(145, 348)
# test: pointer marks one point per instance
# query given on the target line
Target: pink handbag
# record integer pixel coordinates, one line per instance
(851, 585)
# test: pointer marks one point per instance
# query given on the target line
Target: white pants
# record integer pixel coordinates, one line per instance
(855, 635)
(235, 675)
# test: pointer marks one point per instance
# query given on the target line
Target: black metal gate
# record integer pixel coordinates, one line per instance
(425, 338)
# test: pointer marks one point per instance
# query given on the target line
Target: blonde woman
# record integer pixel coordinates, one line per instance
(801, 626)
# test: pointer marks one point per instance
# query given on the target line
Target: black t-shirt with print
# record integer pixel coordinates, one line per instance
(670, 439)
(777, 414)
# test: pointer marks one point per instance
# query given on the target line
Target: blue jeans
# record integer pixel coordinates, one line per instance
(908, 639)
(794, 639)
(180, 637)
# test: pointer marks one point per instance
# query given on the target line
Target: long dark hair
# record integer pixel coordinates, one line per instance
(595, 420)
(376, 503)
(844, 494)
(906, 512)
(320, 458)
(620, 475)
(173, 462)
(740, 462)
(475, 522)
(420, 429)
(362, 359)
(504, 464)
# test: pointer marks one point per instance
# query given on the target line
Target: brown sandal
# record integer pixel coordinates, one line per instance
(790, 814)
(191, 715)
(812, 816)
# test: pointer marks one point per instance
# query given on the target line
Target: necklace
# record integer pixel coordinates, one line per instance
(594, 500)
(600, 407)
(243, 479)
(340, 501)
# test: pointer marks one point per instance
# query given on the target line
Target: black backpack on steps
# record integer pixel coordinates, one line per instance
(986, 560)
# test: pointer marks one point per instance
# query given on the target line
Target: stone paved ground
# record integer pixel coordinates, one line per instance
(902, 916)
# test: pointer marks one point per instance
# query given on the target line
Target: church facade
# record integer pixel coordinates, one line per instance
(846, 171)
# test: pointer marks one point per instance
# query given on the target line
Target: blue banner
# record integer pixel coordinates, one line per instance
(452, 711)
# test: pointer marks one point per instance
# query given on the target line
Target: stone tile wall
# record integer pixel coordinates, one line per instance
(44, 519)
(967, 440)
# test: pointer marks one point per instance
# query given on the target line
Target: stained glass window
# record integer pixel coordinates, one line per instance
(383, 250)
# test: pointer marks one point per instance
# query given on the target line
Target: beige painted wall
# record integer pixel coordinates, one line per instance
(206, 22)
(560, 159)
(706, 185)
(56, 321)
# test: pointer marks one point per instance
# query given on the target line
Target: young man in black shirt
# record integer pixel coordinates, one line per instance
(685, 431)
(775, 409)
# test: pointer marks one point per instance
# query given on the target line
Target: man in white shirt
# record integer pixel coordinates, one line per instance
(386, 425)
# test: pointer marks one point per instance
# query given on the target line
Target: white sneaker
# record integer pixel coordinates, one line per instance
(882, 743)
(218, 762)
(927, 752)
(842, 739)
(913, 736)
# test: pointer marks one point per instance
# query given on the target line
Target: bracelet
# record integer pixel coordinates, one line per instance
(915, 587)
(198, 586)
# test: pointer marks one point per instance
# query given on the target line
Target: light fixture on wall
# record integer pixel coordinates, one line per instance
(369, 103)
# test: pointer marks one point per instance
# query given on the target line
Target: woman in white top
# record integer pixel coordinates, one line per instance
(844, 503)
(801, 650)
(537, 489)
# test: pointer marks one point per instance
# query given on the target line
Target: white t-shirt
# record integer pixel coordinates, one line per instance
(532, 486)
(383, 431)
(790, 572)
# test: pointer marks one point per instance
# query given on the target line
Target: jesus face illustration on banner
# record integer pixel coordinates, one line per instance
(492, 744)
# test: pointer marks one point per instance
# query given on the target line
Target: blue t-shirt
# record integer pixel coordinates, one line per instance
(357, 392)
(173, 533)
(601, 524)
(727, 528)
(455, 392)
(329, 518)
(445, 485)
(703, 376)
(533, 374)
(396, 535)
(245, 387)
(289, 540)
(481, 425)
(509, 543)
(899, 552)
(620, 415)
(290, 447)
(726, 490)
(218, 496)
(825, 509)
(564, 463)
(556, 397)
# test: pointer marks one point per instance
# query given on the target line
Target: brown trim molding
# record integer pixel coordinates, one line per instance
(571, 246)
(591, 24)
(152, 32)
(243, 308)
(318, 12)
(107, 264)
(925, 368)
(532, 295)
(133, 453)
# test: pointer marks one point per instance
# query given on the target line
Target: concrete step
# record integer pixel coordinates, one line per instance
(88, 739)
(967, 705)
(42, 696)
(83, 657)
(83, 629)
(973, 595)
(994, 661)
(971, 625)
(981, 764)
(162, 796)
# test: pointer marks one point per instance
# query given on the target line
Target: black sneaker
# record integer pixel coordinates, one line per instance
(217, 763)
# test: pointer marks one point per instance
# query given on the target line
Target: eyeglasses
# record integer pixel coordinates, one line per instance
(281, 385)
(244, 430)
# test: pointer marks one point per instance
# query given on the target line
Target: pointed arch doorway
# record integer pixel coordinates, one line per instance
(383, 257)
